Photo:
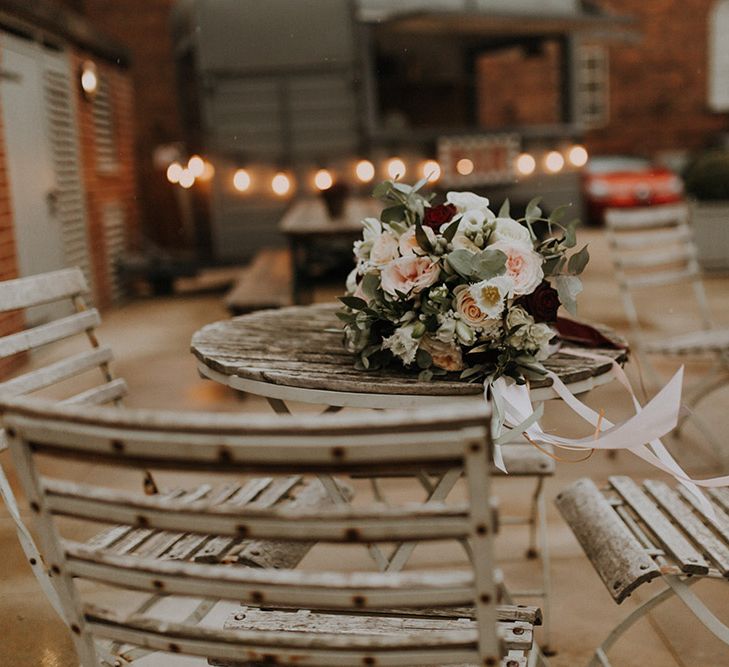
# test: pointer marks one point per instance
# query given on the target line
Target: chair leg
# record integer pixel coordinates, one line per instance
(534, 538)
(600, 659)
(698, 608)
(546, 571)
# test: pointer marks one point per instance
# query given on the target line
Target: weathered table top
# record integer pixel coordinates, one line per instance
(294, 354)
(309, 217)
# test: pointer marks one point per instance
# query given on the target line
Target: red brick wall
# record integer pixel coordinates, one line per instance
(658, 86)
(106, 187)
(12, 321)
(143, 26)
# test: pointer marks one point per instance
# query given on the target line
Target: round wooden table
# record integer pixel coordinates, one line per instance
(296, 354)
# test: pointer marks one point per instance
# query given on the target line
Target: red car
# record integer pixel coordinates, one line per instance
(621, 181)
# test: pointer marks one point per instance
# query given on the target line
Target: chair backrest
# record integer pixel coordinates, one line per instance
(392, 442)
(653, 247)
(66, 285)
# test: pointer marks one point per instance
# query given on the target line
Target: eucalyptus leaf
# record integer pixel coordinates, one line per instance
(347, 318)
(425, 375)
(533, 212)
(423, 359)
(393, 213)
(577, 263)
(422, 238)
(461, 261)
(353, 302)
(568, 287)
(382, 189)
(504, 211)
(570, 234)
(450, 230)
(488, 263)
(402, 187)
(558, 213)
(420, 184)
(369, 285)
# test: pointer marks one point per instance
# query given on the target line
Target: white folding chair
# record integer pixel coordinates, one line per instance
(653, 247)
(315, 617)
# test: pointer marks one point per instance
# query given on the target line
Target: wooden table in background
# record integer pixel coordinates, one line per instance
(307, 223)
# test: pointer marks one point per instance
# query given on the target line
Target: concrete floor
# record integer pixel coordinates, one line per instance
(151, 340)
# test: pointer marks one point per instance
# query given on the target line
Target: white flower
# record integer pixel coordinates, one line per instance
(371, 229)
(384, 249)
(351, 283)
(402, 344)
(447, 330)
(472, 220)
(490, 295)
(523, 265)
(511, 231)
(530, 337)
(466, 201)
(409, 243)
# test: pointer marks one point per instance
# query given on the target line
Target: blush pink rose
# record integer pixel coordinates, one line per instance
(409, 243)
(409, 274)
(384, 249)
(523, 266)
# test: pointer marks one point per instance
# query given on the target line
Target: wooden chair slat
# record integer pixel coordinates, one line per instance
(639, 240)
(613, 550)
(649, 259)
(719, 522)
(695, 342)
(646, 217)
(41, 289)
(692, 526)
(661, 278)
(432, 522)
(57, 372)
(292, 588)
(690, 560)
(721, 496)
(256, 619)
(324, 650)
(109, 392)
(51, 332)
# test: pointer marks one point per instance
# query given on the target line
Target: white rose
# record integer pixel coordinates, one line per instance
(384, 249)
(490, 295)
(351, 283)
(371, 229)
(473, 220)
(512, 231)
(531, 337)
(523, 266)
(466, 201)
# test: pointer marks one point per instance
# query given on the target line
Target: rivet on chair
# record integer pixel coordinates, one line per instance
(55, 569)
(159, 585)
(33, 561)
(117, 445)
(142, 521)
(338, 453)
(518, 631)
(242, 530)
(257, 597)
(369, 660)
(359, 601)
(485, 598)
(224, 454)
(35, 506)
(481, 529)
(239, 617)
(489, 662)
(173, 648)
(351, 535)
(75, 629)
(475, 447)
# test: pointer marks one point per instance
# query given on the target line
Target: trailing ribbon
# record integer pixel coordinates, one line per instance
(640, 434)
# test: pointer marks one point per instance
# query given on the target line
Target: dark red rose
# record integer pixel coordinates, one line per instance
(542, 304)
(435, 216)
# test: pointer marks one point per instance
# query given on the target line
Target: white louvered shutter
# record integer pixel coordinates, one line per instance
(115, 242)
(64, 142)
(719, 57)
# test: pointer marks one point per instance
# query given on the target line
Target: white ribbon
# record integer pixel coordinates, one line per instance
(639, 434)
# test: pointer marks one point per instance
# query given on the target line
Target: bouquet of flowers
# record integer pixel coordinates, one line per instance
(455, 287)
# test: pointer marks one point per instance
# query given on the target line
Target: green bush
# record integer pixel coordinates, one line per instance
(707, 177)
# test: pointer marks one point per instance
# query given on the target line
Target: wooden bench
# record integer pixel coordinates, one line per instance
(635, 533)
(264, 283)
(320, 445)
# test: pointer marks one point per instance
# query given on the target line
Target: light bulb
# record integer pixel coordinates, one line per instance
(554, 161)
(464, 166)
(431, 170)
(196, 166)
(241, 180)
(395, 168)
(526, 164)
(577, 156)
(186, 179)
(365, 171)
(174, 171)
(281, 184)
(323, 179)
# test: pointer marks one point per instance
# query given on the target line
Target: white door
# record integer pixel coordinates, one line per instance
(33, 195)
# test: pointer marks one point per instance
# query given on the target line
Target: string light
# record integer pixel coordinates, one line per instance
(554, 161)
(208, 171)
(365, 171)
(174, 171)
(323, 179)
(241, 180)
(431, 170)
(577, 156)
(89, 79)
(281, 184)
(395, 168)
(526, 164)
(186, 179)
(196, 165)
(464, 166)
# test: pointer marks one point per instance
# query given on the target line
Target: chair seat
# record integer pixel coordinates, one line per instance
(695, 342)
(526, 459)
(260, 492)
(635, 533)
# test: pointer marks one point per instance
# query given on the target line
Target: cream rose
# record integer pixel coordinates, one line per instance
(511, 231)
(530, 336)
(402, 344)
(490, 295)
(409, 274)
(467, 307)
(447, 356)
(409, 243)
(384, 249)
(523, 266)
